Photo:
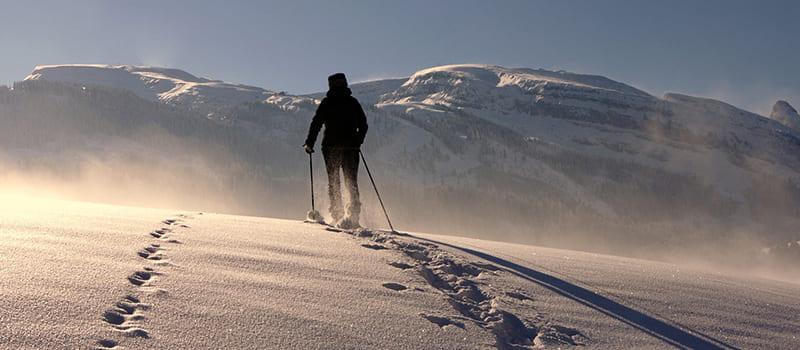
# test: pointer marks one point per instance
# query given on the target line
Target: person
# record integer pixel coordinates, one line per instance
(345, 129)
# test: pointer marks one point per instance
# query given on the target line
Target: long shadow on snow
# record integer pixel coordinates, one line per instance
(657, 328)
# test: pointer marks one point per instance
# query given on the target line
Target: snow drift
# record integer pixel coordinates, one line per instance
(111, 277)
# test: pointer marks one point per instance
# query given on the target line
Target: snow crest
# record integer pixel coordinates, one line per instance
(167, 85)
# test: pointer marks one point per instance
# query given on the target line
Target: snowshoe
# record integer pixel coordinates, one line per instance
(348, 224)
(314, 216)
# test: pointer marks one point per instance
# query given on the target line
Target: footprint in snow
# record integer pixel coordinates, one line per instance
(122, 318)
(400, 265)
(140, 278)
(136, 332)
(442, 322)
(132, 298)
(374, 246)
(151, 252)
(114, 317)
(394, 286)
(106, 344)
(161, 233)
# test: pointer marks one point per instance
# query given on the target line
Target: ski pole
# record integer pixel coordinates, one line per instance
(311, 171)
(364, 160)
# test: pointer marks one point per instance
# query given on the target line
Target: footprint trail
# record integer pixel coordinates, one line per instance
(126, 315)
(461, 282)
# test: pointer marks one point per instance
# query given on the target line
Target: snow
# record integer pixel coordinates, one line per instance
(497, 88)
(785, 114)
(502, 76)
(230, 282)
(656, 297)
(167, 85)
(512, 98)
(430, 129)
(78, 275)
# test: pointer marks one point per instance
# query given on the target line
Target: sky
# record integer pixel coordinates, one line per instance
(746, 53)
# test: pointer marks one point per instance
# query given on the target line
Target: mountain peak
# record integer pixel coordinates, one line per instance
(784, 113)
(51, 71)
(167, 85)
(501, 89)
(525, 77)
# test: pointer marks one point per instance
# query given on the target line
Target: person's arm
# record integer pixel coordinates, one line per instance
(316, 124)
(362, 123)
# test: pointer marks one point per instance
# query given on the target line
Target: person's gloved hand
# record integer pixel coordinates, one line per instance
(308, 149)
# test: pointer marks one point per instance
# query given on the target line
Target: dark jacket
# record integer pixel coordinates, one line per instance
(344, 120)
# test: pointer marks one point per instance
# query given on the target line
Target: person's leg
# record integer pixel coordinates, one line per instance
(333, 162)
(350, 162)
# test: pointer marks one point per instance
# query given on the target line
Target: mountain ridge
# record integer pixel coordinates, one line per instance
(476, 148)
(60, 72)
(169, 85)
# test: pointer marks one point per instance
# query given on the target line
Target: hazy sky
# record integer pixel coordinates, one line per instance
(744, 52)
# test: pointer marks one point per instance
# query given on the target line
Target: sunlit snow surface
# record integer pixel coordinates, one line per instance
(77, 275)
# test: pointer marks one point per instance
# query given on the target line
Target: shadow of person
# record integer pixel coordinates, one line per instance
(678, 336)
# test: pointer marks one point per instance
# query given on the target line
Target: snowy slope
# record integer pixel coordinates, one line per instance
(78, 275)
(528, 155)
(571, 114)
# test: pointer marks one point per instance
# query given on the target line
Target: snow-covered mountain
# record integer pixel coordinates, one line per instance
(506, 90)
(538, 113)
(784, 113)
(172, 86)
(474, 148)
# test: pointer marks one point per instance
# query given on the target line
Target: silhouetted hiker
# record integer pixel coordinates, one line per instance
(345, 129)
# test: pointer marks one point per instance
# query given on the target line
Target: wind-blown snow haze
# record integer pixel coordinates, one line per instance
(514, 154)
